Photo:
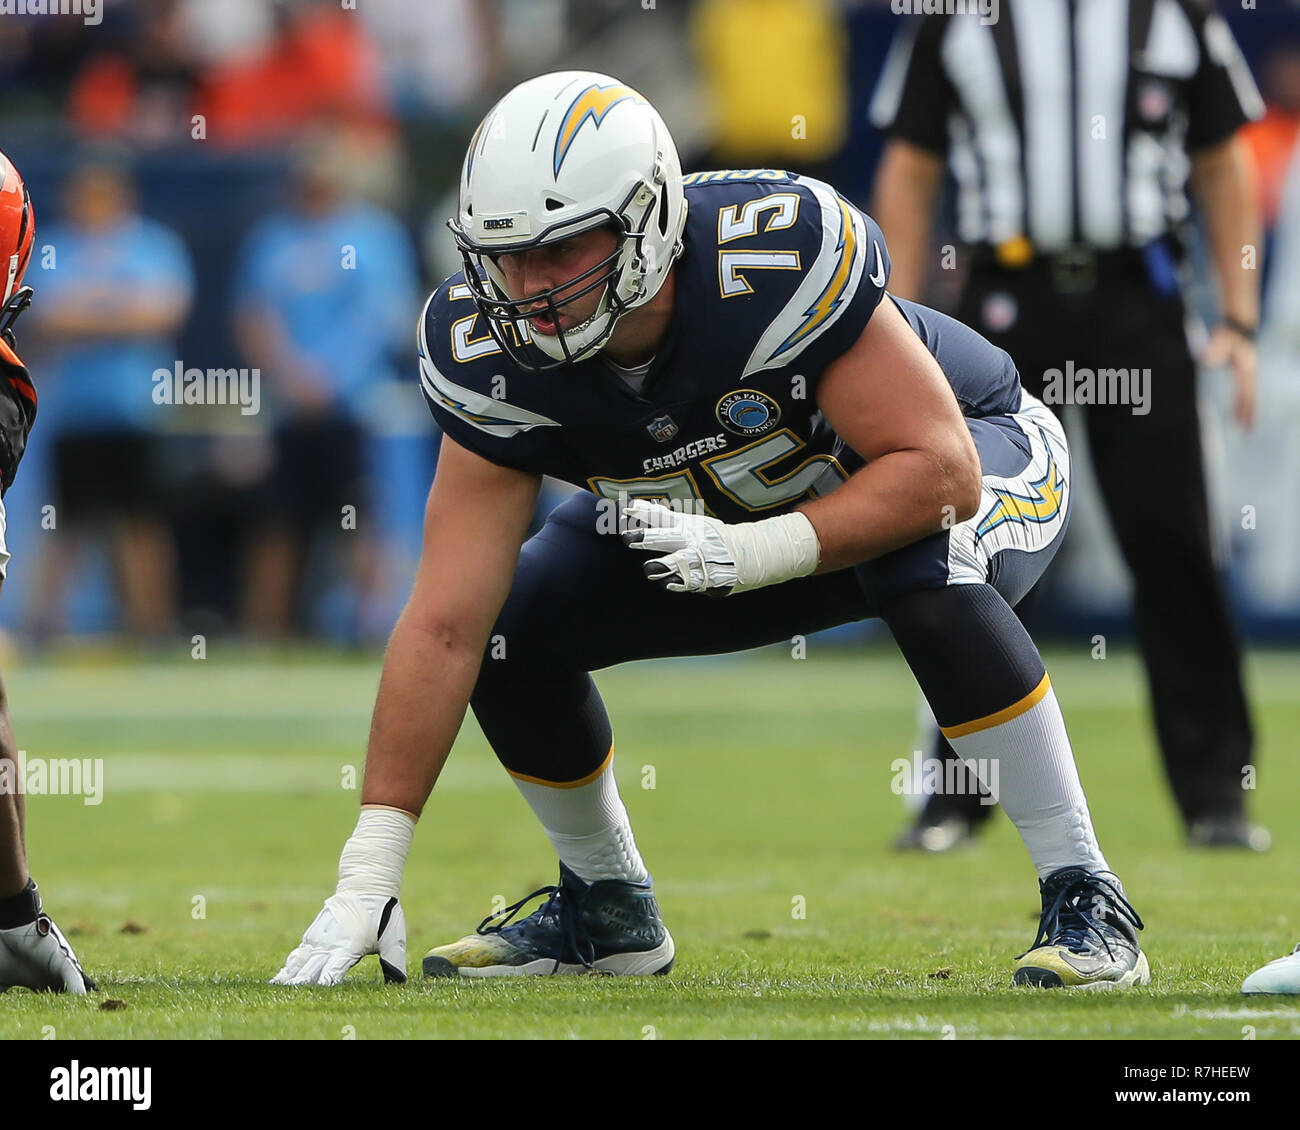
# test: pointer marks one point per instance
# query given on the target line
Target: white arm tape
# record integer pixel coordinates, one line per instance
(375, 857)
(773, 550)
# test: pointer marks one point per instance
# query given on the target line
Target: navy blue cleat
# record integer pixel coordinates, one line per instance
(610, 926)
(1087, 936)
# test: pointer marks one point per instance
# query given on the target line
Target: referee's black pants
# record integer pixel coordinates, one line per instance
(1151, 474)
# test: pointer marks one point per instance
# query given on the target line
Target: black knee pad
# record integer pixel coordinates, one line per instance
(550, 725)
(968, 651)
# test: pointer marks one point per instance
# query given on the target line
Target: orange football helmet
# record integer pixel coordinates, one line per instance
(17, 228)
(17, 237)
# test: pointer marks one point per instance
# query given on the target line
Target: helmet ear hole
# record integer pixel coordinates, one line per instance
(553, 205)
(663, 211)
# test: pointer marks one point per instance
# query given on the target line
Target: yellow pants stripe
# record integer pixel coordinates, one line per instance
(1032, 699)
(568, 784)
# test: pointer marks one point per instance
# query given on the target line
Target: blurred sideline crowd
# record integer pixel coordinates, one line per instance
(261, 185)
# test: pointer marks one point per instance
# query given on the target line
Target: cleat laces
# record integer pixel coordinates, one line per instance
(1067, 922)
(563, 909)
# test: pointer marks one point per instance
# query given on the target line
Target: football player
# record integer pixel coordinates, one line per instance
(33, 952)
(722, 343)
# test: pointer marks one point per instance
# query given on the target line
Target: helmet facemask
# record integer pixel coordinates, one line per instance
(621, 273)
(508, 318)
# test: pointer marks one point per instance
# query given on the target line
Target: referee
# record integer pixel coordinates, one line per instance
(1072, 128)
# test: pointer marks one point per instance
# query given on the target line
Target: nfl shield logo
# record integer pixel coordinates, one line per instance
(662, 428)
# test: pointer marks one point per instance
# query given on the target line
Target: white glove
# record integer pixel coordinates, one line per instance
(348, 928)
(363, 915)
(36, 955)
(707, 555)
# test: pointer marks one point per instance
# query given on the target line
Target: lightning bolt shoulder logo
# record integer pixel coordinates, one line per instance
(1042, 505)
(591, 105)
(832, 295)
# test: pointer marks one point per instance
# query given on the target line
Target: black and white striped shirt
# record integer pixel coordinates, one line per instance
(1068, 121)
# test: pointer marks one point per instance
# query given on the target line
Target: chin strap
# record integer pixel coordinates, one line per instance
(12, 277)
(9, 312)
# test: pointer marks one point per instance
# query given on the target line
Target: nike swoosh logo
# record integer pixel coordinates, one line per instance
(1084, 965)
(878, 279)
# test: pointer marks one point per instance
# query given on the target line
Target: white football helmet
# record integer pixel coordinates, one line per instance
(562, 154)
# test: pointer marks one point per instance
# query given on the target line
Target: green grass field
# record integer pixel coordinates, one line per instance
(224, 810)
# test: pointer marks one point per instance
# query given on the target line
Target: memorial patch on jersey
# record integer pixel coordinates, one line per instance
(746, 412)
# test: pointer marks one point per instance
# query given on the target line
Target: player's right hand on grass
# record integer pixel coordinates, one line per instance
(348, 928)
(35, 955)
(363, 916)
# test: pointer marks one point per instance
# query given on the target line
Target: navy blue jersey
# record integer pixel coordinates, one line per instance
(778, 276)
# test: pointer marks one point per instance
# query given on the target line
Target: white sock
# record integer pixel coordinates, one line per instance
(588, 825)
(1022, 754)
